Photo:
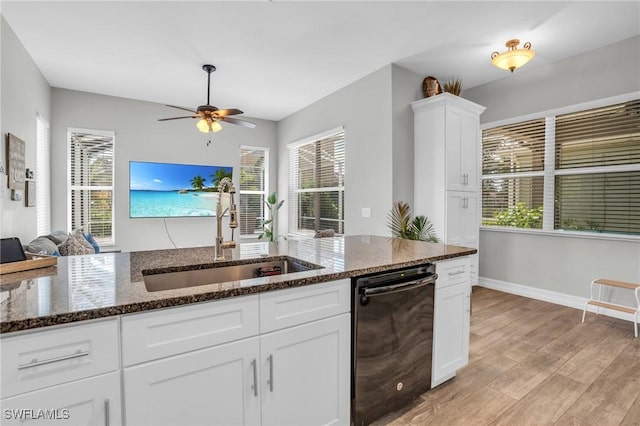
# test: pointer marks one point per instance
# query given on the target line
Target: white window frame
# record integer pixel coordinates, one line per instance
(265, 193)
(293, 203)
(43, 176)
(550, 172)
(106, 133)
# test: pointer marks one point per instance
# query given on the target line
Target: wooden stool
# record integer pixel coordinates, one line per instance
(628, 309)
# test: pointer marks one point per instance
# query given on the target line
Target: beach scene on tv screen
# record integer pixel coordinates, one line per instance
(175, 190)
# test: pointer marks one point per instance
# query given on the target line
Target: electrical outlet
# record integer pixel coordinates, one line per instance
(366, 212)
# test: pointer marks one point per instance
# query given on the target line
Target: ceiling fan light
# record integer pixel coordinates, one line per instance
(215, 126)
(203, 126)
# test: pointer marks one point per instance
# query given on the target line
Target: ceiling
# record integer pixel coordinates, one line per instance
(276, 57)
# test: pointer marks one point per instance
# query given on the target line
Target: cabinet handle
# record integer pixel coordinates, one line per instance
(270, 381)
(106, 412)
(255, 377)
(465, 179)
(456, 273)
(35, 363)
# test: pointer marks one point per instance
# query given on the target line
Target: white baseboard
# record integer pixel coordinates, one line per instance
(549, 296)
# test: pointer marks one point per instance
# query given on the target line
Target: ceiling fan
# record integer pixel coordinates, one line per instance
(210, 116)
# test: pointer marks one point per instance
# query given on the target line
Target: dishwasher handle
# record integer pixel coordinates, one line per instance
(367, 292)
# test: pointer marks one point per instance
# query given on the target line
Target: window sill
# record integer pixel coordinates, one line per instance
(563, 234)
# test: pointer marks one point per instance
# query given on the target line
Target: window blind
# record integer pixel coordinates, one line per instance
(43, 177)
(91, 184)
(597, 182)
(253, 189)
(599, 137)
(513, 162)
(316, 184)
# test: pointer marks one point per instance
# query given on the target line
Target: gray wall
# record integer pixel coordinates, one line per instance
(378, 126)
(25, 94)
(560, 263)
(140, 137)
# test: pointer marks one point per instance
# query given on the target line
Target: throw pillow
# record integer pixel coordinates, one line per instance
(58, 237)
(325, 233)
(43, 245)
(93, 242)
(76, 244)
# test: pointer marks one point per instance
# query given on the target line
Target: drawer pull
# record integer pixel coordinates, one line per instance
(106, 412)
(35, 363)
(270, 381)
(255, 377)
(456, 273)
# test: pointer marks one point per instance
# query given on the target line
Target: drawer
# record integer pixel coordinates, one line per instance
(35, 360)
(166, 332)
(286, 308)
(454, 271)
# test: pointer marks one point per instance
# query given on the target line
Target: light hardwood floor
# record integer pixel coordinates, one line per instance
(535, 363)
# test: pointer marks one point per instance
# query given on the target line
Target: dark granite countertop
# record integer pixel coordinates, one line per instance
(102, 285)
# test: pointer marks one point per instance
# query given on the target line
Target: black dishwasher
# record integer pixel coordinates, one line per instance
(392, 338)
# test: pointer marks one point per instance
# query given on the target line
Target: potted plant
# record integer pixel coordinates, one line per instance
(403, 225)
(269, 230)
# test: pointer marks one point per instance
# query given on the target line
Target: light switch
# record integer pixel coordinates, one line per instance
(366, 212)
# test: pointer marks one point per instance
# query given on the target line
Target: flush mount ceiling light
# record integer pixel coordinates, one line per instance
(209, 116)
(513, 58)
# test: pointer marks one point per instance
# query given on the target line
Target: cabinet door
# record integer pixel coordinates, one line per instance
(470, 145)
(450, 331)
(462, 147)
(213, 386)
(462, 219)
(94, 401)
(306, 374)
(454, 147)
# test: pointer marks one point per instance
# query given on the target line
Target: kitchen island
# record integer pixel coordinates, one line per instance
(87, 337)
(102, 285)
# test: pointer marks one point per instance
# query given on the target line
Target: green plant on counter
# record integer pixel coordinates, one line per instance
(519, 216)
(403, 225)
(269, 230)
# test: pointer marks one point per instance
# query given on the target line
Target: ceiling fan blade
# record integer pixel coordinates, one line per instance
(186, 109)
(237, 121)
(230, 111)
(178, 118)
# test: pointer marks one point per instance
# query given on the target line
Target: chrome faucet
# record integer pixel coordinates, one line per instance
(221, 244)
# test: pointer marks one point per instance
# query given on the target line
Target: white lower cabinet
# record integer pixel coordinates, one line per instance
(306, 374)
(94, 401)
(295, 372)
(451, 319)
(63, 375)
(213, 386)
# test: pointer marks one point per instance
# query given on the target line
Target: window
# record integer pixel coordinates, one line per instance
(316, 183)
(90, 194)
(43, 176)
(576, 171)
(513, 174)
(254, 166)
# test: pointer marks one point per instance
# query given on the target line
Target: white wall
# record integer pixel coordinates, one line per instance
(25, 93)
(560, 263)
(406, 88)
(140, 137)
(378, 126)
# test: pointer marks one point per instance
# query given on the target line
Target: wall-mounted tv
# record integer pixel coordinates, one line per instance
(174, 190)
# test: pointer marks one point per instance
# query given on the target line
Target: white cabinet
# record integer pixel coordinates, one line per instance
(212, 386)
(451, 320)
(306, 374)
(289, 365)
(68, 374)
(94, 401)
(447, 146)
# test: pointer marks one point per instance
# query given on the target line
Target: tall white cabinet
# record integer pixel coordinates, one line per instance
(447, 168)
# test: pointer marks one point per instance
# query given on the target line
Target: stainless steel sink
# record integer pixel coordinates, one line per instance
(158, 280)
